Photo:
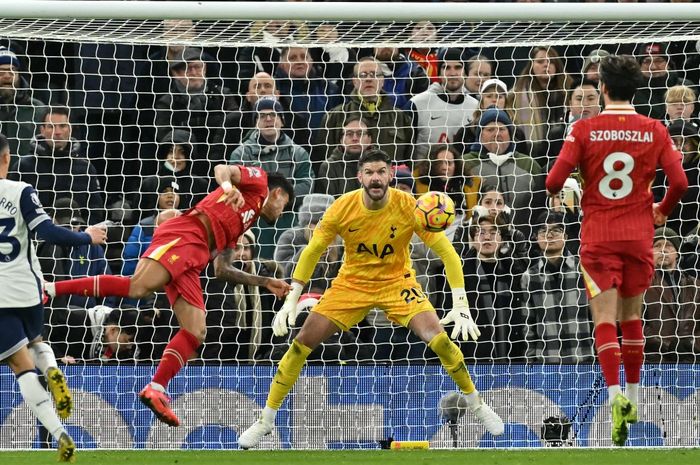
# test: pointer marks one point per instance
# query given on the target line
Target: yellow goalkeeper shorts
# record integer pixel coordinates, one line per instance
(346, 304)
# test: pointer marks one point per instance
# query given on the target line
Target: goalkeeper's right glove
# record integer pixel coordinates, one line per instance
(460, 315)
(287, 315)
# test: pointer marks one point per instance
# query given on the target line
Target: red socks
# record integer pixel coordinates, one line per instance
(177, 352)
(608, 352)
(95, 286)
(632, 349)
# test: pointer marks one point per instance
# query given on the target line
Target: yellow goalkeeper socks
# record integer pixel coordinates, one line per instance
(453, 361)
(287, 373)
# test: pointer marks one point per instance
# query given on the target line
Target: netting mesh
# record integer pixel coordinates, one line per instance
(119, 121)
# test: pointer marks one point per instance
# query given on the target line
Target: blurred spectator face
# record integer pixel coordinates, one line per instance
(243, 251)
(192, 76)
(542, 67)
(423, 31)
(177, 29)
(9, 77)
(585, 102)
(56, 130)
(356, 137)
(495, 137)
(368, 79)
(261, 85)
(453, 76)
(296, 63)
(665, 255)
(478, 72)
(592, 73)
(168, 199)
(654, 66)
(443, 167)
(385, 53)
(404, 187)
(494, 201)
(176, 158)
(326, 33)
(679, 110)
(487, 240)
(278, 28)
(117, 340)
(492, 97)
(269, 124)
(551, 239)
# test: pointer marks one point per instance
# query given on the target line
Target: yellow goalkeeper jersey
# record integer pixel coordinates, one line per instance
(376, 241)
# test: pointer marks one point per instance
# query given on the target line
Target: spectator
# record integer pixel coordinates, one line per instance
(272, 150)
(338, 174)
(492, 202)
(479, 70)
(57, 168)
(496, 162)
(538, 97)
(439, 112)
(59, 263)
(389, 127)
(493, 94)
(177, 151)
(686, 138)
(671, 306)
(403, 180)
(205, 108)
(264, 59)
(238, 314)
(402, 78)
(424, 31)
(444, 171)
(558, 321)
(582, 102)
(20, 113)
(263, 85)
(659, 75)
(166, 198)
(493, 292)
(293, 241)
(333, 61)
(680, 104)
(589, 72)
(310, 95)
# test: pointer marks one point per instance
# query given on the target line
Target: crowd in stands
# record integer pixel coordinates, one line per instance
(129, 132)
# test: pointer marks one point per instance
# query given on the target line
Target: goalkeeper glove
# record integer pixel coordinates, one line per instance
(461, 317)
(288, 313)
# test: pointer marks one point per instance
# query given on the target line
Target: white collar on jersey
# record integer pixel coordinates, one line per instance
(619, 110)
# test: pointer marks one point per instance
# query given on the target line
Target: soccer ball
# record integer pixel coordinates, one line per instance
(435, 211)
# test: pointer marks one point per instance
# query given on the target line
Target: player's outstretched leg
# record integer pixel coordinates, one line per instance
(453, 361)
(287, 373)
(45, 361)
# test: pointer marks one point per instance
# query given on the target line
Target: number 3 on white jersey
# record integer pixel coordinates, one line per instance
(604, 186)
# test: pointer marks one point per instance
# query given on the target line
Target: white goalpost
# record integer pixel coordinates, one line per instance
(154, 94)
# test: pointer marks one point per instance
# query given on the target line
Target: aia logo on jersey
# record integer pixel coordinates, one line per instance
(254, 172)
(373, 249)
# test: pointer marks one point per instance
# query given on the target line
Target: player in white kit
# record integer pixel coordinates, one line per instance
(21, 307)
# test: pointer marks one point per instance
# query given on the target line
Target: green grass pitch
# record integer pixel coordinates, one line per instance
(367, 457)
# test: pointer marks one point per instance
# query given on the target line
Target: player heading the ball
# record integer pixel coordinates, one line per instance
(376, 224)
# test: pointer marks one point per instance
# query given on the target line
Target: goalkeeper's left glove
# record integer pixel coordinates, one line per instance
(461, 317)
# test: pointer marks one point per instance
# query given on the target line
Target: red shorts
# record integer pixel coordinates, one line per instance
(625, 265)
(181, 246)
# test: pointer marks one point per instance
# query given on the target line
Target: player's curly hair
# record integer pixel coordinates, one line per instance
(621, 75)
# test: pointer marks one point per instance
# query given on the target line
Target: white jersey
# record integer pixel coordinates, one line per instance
(20, 213)
(438, 120)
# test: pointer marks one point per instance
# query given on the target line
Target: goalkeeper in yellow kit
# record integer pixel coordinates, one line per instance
(376, 223)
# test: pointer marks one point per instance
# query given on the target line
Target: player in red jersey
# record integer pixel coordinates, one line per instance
(617, 153)
(181, 248)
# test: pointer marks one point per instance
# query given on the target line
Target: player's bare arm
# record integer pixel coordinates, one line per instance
(224, 271)
(228, 177)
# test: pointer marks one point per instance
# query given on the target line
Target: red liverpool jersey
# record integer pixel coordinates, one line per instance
(617, 153)
(229, 224)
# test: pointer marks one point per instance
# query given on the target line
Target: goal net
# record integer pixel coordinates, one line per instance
(117, 112)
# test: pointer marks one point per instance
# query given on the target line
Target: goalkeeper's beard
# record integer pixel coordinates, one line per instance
(375, 197)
